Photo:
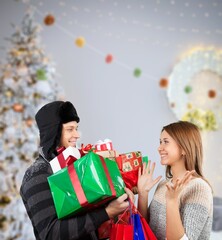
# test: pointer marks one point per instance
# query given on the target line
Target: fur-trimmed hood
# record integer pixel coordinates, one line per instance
(49, 121)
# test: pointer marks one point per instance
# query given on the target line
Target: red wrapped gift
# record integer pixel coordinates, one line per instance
(129, 161)
(129, 164)
(130, 179)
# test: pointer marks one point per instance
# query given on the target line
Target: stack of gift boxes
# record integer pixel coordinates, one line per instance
(86, 178)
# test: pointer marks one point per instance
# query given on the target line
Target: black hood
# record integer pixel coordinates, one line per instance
(49, 120)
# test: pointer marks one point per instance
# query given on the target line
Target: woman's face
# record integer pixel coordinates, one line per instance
(170, 152)
(69, 134)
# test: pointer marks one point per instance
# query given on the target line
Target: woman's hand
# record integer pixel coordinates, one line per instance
(173, 190)
(145, 178)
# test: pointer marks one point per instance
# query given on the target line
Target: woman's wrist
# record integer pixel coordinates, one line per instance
(143, 194)
(172, 202)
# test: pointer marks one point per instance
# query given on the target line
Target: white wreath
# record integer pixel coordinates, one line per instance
(190, 83)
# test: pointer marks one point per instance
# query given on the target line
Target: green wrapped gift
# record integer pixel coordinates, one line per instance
(88, 182)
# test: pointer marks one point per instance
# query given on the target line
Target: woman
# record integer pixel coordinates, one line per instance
(182, 204)
(58, 126)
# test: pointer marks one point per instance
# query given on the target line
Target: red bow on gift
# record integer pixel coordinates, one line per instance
(87, 148)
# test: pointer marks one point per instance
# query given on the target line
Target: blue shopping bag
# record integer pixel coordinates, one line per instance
(138, 228)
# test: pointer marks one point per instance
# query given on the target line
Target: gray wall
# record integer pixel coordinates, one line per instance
(148, 34)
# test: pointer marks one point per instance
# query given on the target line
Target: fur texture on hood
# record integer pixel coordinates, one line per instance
(49, 121)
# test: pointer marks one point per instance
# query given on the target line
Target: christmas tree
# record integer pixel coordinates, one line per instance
(27, 82)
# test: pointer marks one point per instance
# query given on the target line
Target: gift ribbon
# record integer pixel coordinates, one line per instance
(87, 148)
(108, 175)
(104, 146)
(60, 150)
(70, 160)
(78, 188)
(62, 161)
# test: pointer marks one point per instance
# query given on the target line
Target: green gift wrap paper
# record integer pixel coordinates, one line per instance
(94, 185)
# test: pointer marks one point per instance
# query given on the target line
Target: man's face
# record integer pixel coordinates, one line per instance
(69, 134)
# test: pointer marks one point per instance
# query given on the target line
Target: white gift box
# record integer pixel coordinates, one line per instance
(59, 162)
(104, 145)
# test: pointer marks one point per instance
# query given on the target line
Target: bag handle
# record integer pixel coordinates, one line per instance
(129, 209)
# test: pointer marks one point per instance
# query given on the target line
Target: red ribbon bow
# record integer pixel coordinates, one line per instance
(87, 148)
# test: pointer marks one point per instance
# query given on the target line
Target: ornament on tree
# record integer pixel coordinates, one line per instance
(29, 122)
(4, 200)
(41, 74)
(17, 107)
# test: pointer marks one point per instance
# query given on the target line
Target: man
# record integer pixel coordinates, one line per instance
(58, 126)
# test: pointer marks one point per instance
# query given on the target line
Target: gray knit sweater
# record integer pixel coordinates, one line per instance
(37, 198)
(196, 210)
